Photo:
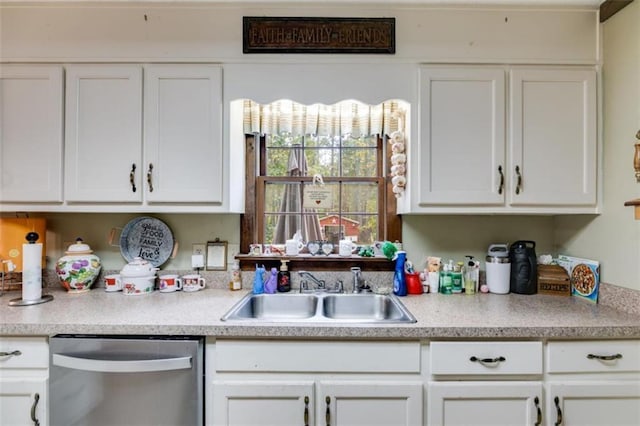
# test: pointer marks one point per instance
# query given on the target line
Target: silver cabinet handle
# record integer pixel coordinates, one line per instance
(149, 180)
(34, 419)
(519, 180)
(12, 353)
(126, 366)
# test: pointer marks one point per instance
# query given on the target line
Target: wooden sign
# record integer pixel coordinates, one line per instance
(318, 35)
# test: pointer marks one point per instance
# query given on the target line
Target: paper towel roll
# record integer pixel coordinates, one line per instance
(32, 271)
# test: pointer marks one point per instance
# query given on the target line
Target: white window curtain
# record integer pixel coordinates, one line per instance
(343, 118)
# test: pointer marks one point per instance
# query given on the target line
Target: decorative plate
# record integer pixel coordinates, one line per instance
(147, 238)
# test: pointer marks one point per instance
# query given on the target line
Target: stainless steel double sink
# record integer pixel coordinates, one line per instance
(320, 308)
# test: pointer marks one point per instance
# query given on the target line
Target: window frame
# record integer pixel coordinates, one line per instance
(252, 221)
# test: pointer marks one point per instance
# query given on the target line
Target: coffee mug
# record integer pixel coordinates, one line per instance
(292, 247)
(170, 283)
(113, 282)
(346, 247)
(193, 282)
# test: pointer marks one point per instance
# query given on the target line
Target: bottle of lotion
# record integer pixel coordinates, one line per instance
(284, 277)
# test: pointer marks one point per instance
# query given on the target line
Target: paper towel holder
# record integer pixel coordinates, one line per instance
(31, 237)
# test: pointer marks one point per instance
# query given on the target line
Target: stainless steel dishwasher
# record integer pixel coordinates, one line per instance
(117, 380)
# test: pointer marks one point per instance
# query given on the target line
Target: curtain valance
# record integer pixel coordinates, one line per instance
(344, 118)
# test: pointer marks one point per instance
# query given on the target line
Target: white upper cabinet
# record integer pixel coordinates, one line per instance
(462, 136)
(183, 133)
(31, 106)
(552, 137)
(547, 162)
(144, 138)
(103, 140)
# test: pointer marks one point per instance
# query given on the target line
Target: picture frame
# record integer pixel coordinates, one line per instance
(216, 255)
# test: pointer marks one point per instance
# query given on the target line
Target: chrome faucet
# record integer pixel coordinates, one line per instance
(319, 284)
(357, 279)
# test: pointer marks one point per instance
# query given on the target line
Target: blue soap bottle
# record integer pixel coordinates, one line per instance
(399, 281)
(258, 280)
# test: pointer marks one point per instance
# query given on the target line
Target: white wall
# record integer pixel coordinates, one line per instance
(213, 33)
(614, 236)
(166, 32)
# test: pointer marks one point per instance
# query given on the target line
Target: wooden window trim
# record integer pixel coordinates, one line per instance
(250, 231)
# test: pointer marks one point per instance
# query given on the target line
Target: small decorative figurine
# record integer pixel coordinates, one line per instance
(272, 283)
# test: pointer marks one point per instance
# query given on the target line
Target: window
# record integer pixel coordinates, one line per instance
(284, 160)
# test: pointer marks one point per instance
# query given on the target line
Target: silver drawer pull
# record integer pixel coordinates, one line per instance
(487, 360)
(605, 357)
(14, 353)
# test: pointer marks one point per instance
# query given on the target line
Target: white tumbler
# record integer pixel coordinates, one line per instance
(498, 274)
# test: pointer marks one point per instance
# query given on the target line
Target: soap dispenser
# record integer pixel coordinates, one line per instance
(399, 281)
(284, 277)
(258, 280)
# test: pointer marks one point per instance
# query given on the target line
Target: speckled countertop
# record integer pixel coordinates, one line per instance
(439, 317)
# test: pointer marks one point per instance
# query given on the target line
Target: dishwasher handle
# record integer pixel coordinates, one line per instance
(113, 366)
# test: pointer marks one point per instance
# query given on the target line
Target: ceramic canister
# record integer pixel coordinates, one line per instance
(78, 268)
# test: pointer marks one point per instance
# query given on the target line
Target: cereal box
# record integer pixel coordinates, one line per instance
(584, 275)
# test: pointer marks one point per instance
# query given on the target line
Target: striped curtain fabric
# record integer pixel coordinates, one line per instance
(344, 118)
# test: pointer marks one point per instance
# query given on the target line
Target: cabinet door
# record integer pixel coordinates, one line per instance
(103, 141)
(461, 159)
(268, 403)
(31, 133)
(22, 401)
(605, 403)
(368, 403)
(553, 138)
(484, 403)
(183, 133)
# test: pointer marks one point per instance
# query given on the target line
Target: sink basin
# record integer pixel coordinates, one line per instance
(320, 308)
(373, 307)
(274, 307)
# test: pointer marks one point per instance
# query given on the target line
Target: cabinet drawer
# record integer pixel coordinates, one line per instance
(486, 358)
(34, 352)
(594, 356)
(317, 356)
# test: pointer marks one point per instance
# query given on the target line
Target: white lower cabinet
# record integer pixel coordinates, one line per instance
(594, 403)
(485, 403)
(267, 402)
(313, 383)
(24, 381)
(485, 383)
(23, 402)
(594, 383)
(335, 402)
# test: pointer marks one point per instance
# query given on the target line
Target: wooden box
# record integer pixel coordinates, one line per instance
(553, 279)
